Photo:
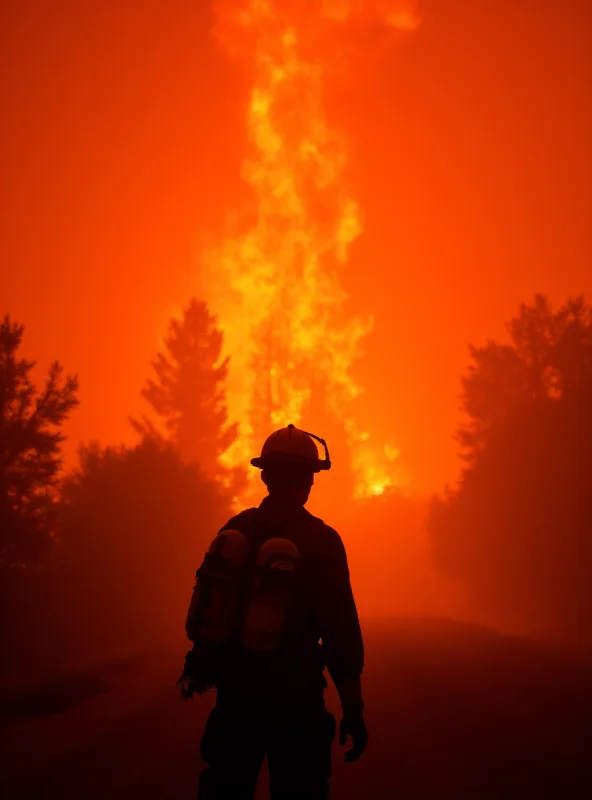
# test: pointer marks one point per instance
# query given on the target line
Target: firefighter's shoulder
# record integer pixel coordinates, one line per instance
(239, 522)
(326, 536)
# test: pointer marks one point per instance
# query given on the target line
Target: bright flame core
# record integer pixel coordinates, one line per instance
(275, 285)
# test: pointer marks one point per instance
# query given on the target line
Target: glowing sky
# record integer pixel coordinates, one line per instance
(122, 139)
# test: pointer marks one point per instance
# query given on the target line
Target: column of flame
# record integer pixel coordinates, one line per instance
(274, 283)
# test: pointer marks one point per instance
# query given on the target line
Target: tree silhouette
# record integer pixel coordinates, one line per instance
(187, 394)
(516, 530)
(30, 443)
(548, 357)
(135, 524)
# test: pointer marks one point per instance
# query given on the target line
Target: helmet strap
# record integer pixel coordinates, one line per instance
(326, 463)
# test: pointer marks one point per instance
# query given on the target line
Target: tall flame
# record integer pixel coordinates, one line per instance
(275, 284)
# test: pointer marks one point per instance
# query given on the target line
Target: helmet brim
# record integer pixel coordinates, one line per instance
(267, 462)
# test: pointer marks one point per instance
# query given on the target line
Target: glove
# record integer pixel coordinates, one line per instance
(352, 724)
(197, 675)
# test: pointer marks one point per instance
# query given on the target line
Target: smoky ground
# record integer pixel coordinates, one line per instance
(454, 710)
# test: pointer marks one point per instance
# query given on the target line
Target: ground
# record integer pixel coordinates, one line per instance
(454, 711)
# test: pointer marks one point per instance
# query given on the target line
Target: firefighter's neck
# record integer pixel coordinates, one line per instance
(287, 497)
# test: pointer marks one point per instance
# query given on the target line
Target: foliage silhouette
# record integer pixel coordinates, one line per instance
(31, 421)
(135, 523)
(516, 530)
(187, 394)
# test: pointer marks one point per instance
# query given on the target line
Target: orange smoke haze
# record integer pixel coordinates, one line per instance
(123, 141)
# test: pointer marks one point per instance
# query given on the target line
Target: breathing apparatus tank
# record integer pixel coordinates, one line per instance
(270, 594)
(217, 594)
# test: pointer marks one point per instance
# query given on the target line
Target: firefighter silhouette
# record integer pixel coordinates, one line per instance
(271, 609)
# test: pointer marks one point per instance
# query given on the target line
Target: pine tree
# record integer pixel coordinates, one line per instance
(516, 529)
(547, 356)
(31, 436)
(135, 524)
(187, 394)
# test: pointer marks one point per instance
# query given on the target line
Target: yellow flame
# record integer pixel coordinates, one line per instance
(275, 283)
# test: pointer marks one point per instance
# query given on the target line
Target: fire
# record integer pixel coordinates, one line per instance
(275, 283)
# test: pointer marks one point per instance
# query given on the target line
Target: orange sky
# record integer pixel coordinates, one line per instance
(122, 139)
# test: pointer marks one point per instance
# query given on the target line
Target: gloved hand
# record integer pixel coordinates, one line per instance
(352, 724)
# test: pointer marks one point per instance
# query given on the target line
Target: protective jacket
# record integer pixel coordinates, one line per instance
(322, 627)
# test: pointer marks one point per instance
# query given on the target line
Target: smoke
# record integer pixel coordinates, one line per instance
(398, 14)
(336, 24)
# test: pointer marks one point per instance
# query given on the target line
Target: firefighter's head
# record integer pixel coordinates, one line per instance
(288, 482)
(288, 462)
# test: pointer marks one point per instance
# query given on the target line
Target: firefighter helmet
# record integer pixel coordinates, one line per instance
(292, 446)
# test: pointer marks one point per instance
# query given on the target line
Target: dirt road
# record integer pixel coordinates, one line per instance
(454, 711)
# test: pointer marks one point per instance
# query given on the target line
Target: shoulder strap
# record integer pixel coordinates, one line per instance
(254, 527)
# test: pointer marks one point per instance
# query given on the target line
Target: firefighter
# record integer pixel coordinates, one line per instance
(296, 616)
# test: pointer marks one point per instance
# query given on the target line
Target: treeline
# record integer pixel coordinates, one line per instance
(517, 530)
(102, 557)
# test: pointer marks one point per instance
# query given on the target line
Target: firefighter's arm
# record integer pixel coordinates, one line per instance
(350, 693)
(340, 627)
(343, 645)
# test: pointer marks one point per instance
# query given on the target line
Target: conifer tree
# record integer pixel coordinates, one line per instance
(31, 421)
(187, 394)
(516, 529)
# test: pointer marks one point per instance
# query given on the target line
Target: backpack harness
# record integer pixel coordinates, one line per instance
(241, 600)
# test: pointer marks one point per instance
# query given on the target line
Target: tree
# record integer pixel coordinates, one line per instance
(31, 436)
(504, 376)
(135, 525)
(188, 392)
(516, 530)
